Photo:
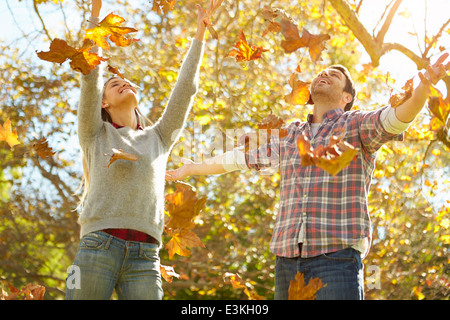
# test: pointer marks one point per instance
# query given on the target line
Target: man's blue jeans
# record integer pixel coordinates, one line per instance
(104, 263)
(342, 272)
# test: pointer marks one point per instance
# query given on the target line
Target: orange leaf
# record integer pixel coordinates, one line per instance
(181, 240)
(439, 108)
(299, 291)
(119, 154)
(293, 41)
(244, 52)
(42, 148)
(30, 292)
(300, 92)
(332, 158)
(81, 59)
(163, 6)
(183, 206)
(6, 134)
(399, 98)
(110, 27)
(115, 71)
(235, 280)
(271, 15)
(168, 273)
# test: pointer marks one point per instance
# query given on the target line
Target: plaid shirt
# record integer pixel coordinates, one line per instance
(333, 209)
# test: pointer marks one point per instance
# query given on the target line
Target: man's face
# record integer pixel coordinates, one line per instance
(330, 82)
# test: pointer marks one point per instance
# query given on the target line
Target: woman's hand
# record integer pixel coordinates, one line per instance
(204, 18)
(96, 7)
(182, 172)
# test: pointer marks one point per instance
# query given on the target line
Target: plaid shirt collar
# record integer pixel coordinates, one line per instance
(330, 115)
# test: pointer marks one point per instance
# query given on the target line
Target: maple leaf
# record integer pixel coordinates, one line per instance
(299, 291)
(271, 122)
(439, 108)
(42, 148)
(244, 52)
(119, 154)
(332, 158)
(110, 28)
(293, 41)
(30, 292)
(300, 92)
(6, 134)
(115, 71)
(273, 16)
(168, 273)
(237, 283)
(235, 280)
(163, 6)
(81, 59)
(181, 240)
(399, 98)
(183, 206)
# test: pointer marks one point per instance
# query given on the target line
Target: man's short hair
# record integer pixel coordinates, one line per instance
(349, 85)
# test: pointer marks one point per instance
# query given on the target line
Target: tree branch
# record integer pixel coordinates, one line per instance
(420, 62)
(42, 21)
(387, 23)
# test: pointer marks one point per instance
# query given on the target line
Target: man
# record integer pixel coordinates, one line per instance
(323, 226)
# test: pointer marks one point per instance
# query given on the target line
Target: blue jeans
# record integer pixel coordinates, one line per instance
(104, 263)
(341, 271)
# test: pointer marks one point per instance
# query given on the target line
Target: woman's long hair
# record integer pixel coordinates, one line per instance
(141, 120)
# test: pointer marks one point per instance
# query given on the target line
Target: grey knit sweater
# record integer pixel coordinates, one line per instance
(130, 194)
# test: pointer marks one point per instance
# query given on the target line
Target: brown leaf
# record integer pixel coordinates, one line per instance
(183, 206)
(299, 291)
(235, 280)
(81, 59)
(30, 292)
(400, 98)
(42, 148)
(115, 71)
(244, 52)
(273, 17)
(119, 154)
(168, 273)
(439, 108)
(332, 158)
(293, 41)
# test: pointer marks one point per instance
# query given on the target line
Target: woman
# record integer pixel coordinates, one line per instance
(122, 215)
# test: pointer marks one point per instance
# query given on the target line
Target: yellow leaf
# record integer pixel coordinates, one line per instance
(181, 239)
(7, 135)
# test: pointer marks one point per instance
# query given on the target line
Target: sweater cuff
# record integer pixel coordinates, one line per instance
(391, 123)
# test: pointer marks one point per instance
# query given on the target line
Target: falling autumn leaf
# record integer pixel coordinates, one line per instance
(119, 154)
(300, 91)
(293, 41)
(42, 149)
(163, 6)
(115, 71)
(6, 134)
(299, 291)
(235, 280)
(439, 108)
(244, 52)
(181, 240)
(168, 273)
(30, 292)
(270, 123)
(332, 158)
(237, 283)
(399, 98)
(80, 59)
(273, 17)
(110, 28)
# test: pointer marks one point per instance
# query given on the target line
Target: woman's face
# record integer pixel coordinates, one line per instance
(118, 92)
